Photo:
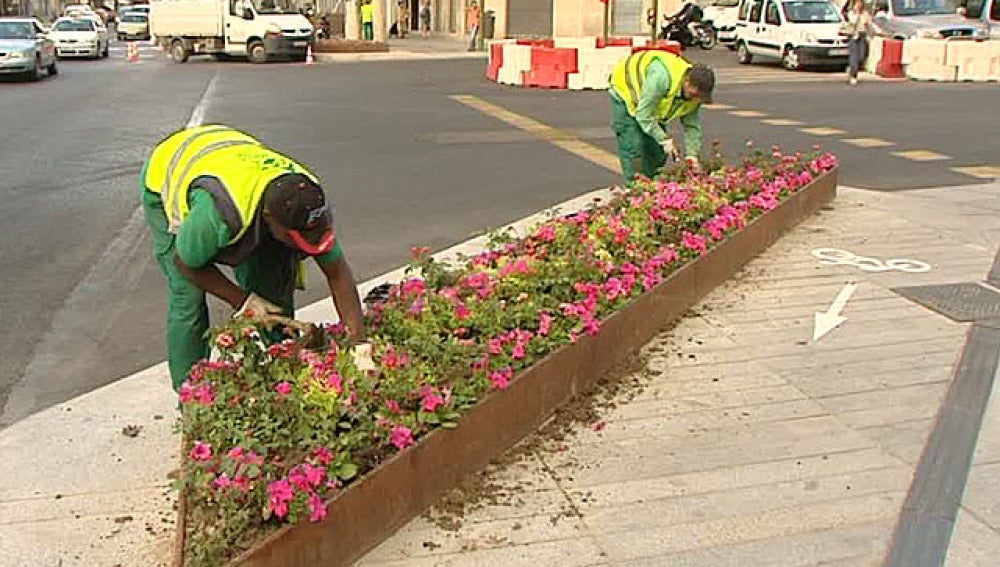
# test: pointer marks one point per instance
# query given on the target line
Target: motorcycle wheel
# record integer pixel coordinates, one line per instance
(708, 38)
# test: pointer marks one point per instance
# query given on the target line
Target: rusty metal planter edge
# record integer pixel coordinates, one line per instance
(372, 508)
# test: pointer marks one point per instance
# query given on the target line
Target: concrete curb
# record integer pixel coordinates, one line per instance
(396, 56)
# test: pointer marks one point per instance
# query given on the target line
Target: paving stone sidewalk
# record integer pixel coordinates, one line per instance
(742, 441)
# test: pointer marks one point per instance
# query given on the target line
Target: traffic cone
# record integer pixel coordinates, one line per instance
(309, 55)
(133, 52)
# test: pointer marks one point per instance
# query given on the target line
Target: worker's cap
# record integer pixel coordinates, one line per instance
(702, 77)
(297, 203)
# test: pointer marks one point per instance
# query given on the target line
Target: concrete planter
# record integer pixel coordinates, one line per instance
(386, 498)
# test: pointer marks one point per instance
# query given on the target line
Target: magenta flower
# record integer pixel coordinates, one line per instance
(323, 455)
(393, 407)
(204, 395)
(242, 484)
(317, 508)
(283, 389)
(236, 454)
(414, 287)
(401, 437)
(280, 493)
(501, 378)
(431, 402)
(298, 479)
(544, 323)
(186, 393)
(417, 307)
(693, 242)
(222, 482)
(335, 382)
(462, 312)
(546, 233)
(201, 451)
(517, 353)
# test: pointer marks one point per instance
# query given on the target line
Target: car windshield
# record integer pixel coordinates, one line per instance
(16, 30)
(74, 25)
(140, 18)
(810, 12)
(922, 7)
(275, 7)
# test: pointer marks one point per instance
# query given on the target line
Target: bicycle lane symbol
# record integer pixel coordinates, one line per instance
(838, 257)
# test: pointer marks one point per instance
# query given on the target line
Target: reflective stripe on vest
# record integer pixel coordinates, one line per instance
(629, 75)
(242, 166)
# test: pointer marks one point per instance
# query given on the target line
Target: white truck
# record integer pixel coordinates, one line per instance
(257, 29)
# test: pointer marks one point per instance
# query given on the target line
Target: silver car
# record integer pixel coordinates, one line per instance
(25, 49)
(904, 19)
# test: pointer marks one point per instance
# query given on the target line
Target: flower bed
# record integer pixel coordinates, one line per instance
(278, 433)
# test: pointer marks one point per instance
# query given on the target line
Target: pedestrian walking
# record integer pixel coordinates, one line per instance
(403, 17)
(856, 29)
(649, 90)
(472, 21)
(425, 18)
(368, 20)
(214, 195)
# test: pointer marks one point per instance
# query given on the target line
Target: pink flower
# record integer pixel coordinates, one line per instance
(693, 242)
(546, 233)
(462, 312)
(544, 323)
(280, 493)
(417, 307)
(222, 482)
(501, 378)
(314, 475)
(518, 352)
(236, 454)
(621, 234)
(614, 289)
(252, 458)
(225, 340)
(242, 483)
(393, 406)
(298, 479)
(186, 393)
(201, 451)
(323, 455)
(204, 395)
(419, 251)
(496, 345)
(283, 389)
(317, 508)
(401, 437)
(335, 382)
(414, 287)
(432, 402)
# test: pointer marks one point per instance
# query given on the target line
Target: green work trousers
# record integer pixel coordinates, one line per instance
(269, 272)
(637, 150)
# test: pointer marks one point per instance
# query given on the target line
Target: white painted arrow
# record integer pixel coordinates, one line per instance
(826, 322)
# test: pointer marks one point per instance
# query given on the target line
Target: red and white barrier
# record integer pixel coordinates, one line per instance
(564, 63)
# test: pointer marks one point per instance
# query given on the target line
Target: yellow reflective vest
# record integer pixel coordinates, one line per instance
(367, 13)
(629, 75)
(234, 167)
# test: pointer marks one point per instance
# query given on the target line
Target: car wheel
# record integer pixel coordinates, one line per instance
(743, 55)
(256, 52)
(790, 59)
(178, 52)
(36, 73)
(52, 69)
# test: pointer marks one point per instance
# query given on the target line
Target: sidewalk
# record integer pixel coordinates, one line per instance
(413, 47)
(740, 442)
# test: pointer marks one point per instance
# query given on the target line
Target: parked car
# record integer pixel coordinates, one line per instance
(903, 19)
(799, 33)
(987, 12)
(722, 14)
(133, 25)
(76, 37)
(25, 49)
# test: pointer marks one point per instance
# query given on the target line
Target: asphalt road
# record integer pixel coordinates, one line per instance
(84, 302)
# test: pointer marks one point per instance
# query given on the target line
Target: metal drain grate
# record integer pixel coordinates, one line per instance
(962, 302)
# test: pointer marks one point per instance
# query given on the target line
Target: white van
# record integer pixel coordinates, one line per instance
(799, 33)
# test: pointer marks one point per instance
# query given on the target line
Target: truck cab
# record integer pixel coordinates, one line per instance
(986, 12)
(799, 33)
(258, 29)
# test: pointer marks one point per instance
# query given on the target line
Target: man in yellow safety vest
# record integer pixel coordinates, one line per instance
(368, 20)
(649, 89)
(214, 195)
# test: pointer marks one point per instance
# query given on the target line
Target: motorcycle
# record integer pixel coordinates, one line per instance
(689, 31)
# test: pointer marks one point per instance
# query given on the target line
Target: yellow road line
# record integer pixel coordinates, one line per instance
(781, 122)
(867, 142)
(981, 171)
(748, 113)
(921, 155)
(822, 131)
(559, 138)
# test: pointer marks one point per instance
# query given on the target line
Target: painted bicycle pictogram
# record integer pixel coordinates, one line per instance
(838, 257)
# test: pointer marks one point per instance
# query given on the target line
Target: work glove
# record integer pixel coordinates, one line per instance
(670, 149)
(361, 353)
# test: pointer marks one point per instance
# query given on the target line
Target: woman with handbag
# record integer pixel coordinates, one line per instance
(856, 28)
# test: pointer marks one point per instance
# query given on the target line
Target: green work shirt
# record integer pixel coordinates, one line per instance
(203, 233)
(654, 89)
